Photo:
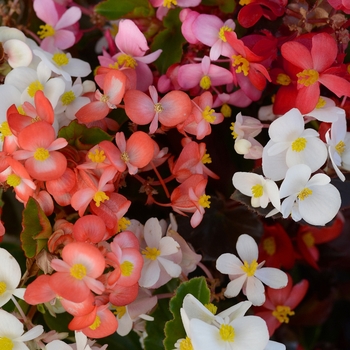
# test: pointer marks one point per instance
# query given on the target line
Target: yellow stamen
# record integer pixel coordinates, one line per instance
(126, 61)
(321, 103)
(283, 79)
(282, 312)
(249, 269)
(306, 192)
(104, 98)
(204, 201)
(299, 144)
(13, 180)
(309, 239)
(97, 157)
(307, 77)
(126, 268)
(227, 333)
(257, 190)
(205, 82)
(99, 197)
(151, 253)
(207, 115)
(269, 245)
(206, 159)
(158, 108)
(41, 154)
(340, 147)
(241, 63)
(96, 323)
(61, 59)
(6, 343)
(34, 87)
(78, 271)
(212, 308)
(123, 224)
(3, 288)
(120, 311)
(168, 3)
(233, 133)
(245, 2)
(125, 157)
(5, 130)
(226, 110)
(20, 110)
(222, 32)
(46, 31)
(67, 98)
(186, 344)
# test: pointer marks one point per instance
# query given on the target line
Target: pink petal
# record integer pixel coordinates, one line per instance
(297, 54)
(139, 107)
(320, 43)
(70, 17)
(46, 11)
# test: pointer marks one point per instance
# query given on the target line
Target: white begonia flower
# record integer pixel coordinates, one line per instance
(246, 127)
(63, 64)
(10, 276)
(247, 274)
(313, 199)
(249, 148)
(291, 144)
(263, 191)
(265, 113)
(161, 255)
(326, 111)
(12, 334)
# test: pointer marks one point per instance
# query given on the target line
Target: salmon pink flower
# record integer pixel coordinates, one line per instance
(81, 265)
(315, 68)
(170, 110)
(39, 147)
(57, 31)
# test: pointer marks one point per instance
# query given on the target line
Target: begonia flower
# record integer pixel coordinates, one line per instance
(247, 274)
(313, 199)
(165, 5)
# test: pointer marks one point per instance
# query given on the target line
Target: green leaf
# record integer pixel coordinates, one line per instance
(226, 6)
(117, 342)
(112, 9)
(36, 229)
(170, 40)
(82, 137)
(174, 329)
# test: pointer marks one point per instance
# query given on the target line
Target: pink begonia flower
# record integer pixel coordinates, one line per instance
(165, 5)
(56, 33)
(203, 74)
(210, 30)
(132, 45)
(340, 5)
(187, 18)
(237, 98)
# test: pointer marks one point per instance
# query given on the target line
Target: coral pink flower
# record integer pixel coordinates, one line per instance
(76, 273)
(280, 303)
(170, 110)
(57, 32)
(314, 67)
(137, 151)
(89, 228)
(39, 147)
(113, 92)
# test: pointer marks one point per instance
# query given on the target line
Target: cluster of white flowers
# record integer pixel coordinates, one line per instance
(296, 155)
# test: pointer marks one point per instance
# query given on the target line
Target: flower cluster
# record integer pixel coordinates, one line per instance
(116, 144)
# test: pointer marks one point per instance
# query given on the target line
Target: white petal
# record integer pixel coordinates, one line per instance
(168, 246)
(172, 269)
(19, 53)
(273, 193)
(295, 180)
(58, 345)
(272, 277)
(229, 264)
(195, 309)
(255, 291)
(152, 232)
(205, 336)
(274, 345)
(245, 181)
(10, 326)
(247, 248)
(10, 271)
(274, 167)
(235, 286)
(235, 311)
(149, 274)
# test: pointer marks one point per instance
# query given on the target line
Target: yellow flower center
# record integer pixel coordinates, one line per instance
(244, 2)
(233, 133)
(249, 269)
(212, 308)
(307, 77)
(5, 130)
(207, 115)
(61, 59)
(78, 271)
(304, 193)
(96, 323)
(205, 82)
(67, 98)
(269, 245)
(151, 253)
(299, 144)
(321, 103)
(104, 98)
(282, 312)
(3, 288)
(120, 311)
(34, 87)
(13, 180)
(226, 110)
(309, 239)
(241, 64)
(227, 333)
(186, 344)
(168, 3)
(340, 147)
(158, 108)
(125, 157)
(206, 159)
(99, 197)
(222, 31)
(123, 224)
(126, 268)
(204, 201)
(257, 191)
(283, 79)
(41, 154)
(98, 156)
(45, 31)
(126, 61)
(6, 343)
